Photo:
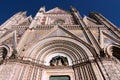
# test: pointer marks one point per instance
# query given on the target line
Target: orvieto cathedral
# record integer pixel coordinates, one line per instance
(59, 45)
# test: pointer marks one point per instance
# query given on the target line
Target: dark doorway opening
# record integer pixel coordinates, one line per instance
(59, 78)
(116, 52)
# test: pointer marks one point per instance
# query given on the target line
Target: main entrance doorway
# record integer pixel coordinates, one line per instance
(59, 78)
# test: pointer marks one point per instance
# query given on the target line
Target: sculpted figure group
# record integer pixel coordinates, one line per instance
(59, 61)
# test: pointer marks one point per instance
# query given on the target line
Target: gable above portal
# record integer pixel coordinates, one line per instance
(57, 10)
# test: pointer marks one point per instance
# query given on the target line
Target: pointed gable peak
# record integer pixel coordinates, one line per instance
(57, 10)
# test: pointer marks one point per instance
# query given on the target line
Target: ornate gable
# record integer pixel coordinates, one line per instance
(57, 10)
(90, 21)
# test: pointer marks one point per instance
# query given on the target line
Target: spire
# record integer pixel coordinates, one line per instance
(42, 9)
(24, 13)
(73, 9)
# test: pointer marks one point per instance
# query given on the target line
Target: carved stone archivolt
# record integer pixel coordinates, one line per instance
(65, 45)
(3, 53)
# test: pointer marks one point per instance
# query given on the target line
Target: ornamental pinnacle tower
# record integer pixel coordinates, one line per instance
(59, 45)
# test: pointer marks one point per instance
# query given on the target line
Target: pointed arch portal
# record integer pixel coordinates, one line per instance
(79, 57)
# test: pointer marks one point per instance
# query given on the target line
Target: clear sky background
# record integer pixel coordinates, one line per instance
(109, 8)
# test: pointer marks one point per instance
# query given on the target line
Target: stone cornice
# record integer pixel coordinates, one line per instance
(31, 63)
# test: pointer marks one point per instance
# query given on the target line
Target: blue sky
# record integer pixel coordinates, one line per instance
(109, 8)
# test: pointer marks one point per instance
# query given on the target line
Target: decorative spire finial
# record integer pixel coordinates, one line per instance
(42, 9)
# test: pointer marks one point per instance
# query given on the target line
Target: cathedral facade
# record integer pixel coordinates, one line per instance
(59, 45)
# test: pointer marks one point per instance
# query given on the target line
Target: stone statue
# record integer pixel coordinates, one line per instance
(65, 63)
(53, 62)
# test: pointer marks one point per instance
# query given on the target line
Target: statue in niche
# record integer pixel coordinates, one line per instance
(65, 63)
(59, 61)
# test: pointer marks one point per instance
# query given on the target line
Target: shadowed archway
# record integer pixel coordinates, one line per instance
(114, 50)
(78, 54)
